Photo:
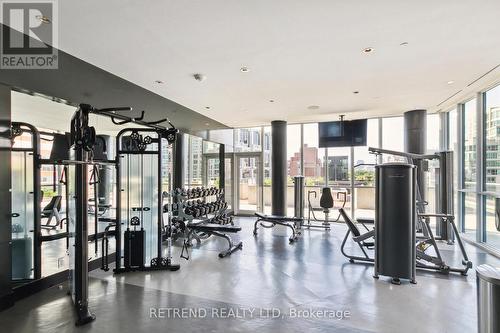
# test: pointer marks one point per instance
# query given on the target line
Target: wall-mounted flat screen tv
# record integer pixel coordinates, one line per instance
(346, 133)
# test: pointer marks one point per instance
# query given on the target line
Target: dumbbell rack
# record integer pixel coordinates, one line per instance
(199, 207)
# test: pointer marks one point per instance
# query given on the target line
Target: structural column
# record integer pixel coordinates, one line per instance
(279, 167)
(415, 139)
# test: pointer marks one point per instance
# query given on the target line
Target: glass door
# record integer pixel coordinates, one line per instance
(249, 179)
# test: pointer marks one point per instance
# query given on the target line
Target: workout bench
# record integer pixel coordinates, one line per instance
(290, 222)
(218, 230)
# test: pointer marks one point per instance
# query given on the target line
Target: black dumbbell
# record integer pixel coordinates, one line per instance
(214, 206)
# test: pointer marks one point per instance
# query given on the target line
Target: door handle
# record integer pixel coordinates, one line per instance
(15, 215)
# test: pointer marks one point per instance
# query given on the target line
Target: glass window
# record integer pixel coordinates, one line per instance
(247, 140)
(393, 138)
(433, 134)
(492, 140)
(210, 147)
(493, 221)
(293, 163)
(453, 146)
(470, 214)
(224, 136)
(314, 169)
(339, 175)
(470, 141)
(364, 173)
(228, 174)
(267, 169)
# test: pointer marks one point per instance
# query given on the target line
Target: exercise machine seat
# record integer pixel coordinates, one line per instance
(55, 202)
(350, 224)
(326, 200)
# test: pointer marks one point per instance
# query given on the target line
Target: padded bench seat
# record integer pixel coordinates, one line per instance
(218, 230)
(293, 223)
(277, 218)
(365, 220)
(207, 227)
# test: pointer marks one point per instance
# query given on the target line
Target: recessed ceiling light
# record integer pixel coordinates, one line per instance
(199, 77)
(313, 107)
(368, 49)
(271, 101)
(244, 69)
(158, 81)
(450, 82)
(355, 92)
(43, 19)
(404, 44)
(207, 124)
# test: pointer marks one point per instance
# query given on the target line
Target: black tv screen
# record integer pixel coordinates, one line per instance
(342, 133)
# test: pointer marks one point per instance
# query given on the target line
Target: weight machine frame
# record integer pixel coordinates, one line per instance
(158, 263)
(447, 219)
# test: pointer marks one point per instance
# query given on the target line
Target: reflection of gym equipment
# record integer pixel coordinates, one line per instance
(365, 241)
(25, 192)
(326, 203)
(50, 211)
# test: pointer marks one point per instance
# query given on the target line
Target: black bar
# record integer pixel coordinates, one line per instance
(130, 119)
(279, 168)
(81, 240)
(160, 200)
(118, 214)
(178, 178)
(222, 170)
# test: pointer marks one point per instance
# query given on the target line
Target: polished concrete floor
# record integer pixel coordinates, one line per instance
(268, 278)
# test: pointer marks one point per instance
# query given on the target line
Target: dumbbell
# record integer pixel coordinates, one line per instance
(213, 207)
(200, 210)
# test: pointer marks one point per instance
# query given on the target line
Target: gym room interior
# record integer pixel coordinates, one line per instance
(242, 166)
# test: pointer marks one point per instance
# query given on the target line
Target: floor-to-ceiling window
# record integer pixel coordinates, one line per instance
(314, 169)
(364, 173)
(433, 145)
(294, 162)
(266, 161)
(393, 137)
(453, 146)
(469, 167)
(491, 164)
(248, 148)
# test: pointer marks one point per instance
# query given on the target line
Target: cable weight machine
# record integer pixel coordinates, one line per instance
(139, 162)
(83, 141)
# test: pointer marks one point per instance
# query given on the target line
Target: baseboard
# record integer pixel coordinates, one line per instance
(6, 301)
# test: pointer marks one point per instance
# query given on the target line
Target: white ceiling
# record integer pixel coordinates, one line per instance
(300, 53)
